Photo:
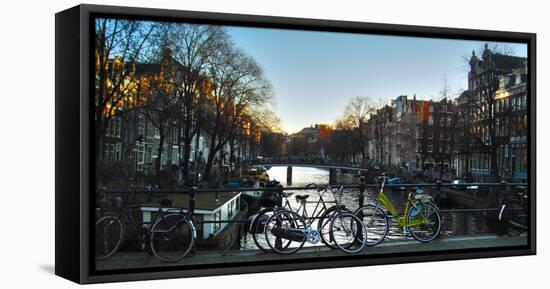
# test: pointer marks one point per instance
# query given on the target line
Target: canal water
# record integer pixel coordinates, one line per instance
(454, 223)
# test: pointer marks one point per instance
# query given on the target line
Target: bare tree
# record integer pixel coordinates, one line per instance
(341, 144)
(161, 106)
(239, 88)
(118, 46)
(356, 116)
(193, 46)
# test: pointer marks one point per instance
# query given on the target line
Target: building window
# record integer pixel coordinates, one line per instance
(141, 127)
(141, 154)
(148, 154)
(150, 130)
(114, 127)
(118, 152)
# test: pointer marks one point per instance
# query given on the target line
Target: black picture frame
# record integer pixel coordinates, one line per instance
(74, 140)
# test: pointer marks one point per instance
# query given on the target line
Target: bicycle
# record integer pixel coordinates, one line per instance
(421, 218)
(170, 237)
(257, 224)
(337, 227)
(513, 212)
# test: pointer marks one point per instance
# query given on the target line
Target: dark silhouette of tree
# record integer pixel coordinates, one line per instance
(355, 117)
(119, 44)
(239, 89)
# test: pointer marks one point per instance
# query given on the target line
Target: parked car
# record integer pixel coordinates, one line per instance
(459, 184)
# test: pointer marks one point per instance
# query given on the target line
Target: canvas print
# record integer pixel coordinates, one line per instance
(220, 144)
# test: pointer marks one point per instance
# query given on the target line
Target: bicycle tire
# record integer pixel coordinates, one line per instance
(514, 218)
(354, 228)
(376, 222)
(323, 226)
(112, 224)
(257, 229)
(430, 210)
(287, 222)
(172, 237)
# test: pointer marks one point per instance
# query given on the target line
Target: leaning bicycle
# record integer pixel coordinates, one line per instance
(287, 231)
(421, 218)
(278, 200)
(513, 212)
(170, 236)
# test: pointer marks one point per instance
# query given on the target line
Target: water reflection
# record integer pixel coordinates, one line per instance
(455, 223)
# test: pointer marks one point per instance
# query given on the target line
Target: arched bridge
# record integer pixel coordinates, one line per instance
(312, 165)
(332, 168)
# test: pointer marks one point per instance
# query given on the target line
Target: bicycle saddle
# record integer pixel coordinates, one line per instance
(301, 197)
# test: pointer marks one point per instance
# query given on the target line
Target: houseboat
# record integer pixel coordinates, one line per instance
(216, 217)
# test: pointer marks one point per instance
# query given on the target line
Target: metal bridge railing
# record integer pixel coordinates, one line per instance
(193, 192)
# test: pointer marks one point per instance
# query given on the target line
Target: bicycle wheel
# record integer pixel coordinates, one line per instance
(348, 232)
(323, 226)
(285, 232)
(375, 221)
(514, 218)
(424, 224)
(172, 237)
(108, 236)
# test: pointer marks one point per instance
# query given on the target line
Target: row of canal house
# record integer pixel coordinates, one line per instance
(131, 141)
(460, 137)
(413, 134)
(493, 116)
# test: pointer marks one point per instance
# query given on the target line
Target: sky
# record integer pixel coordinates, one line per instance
(314, 74)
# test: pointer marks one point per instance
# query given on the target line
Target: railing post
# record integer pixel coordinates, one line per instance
(279, 201)
(289, 175)
(192, 201)
(361, 193)
(333, 176)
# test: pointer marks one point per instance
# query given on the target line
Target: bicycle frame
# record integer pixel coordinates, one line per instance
(393, 213)
(165, 211)
(320, 205)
